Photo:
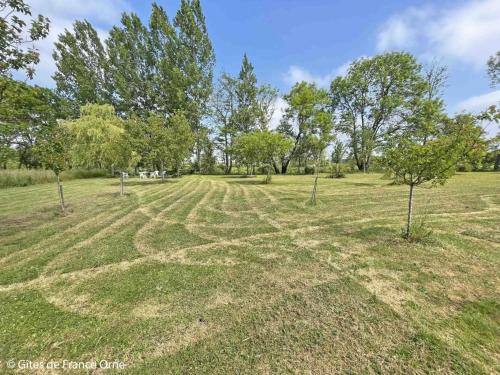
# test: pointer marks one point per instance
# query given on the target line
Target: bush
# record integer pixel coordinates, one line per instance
(310, 169)
(84, 173)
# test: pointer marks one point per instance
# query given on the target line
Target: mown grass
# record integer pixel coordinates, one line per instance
(213, 274)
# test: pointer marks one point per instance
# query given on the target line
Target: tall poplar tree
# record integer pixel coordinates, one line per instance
(194, 60)
(82, 74)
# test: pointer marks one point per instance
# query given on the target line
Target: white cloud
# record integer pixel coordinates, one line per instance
(280, 105)
(298, 74)
(479, 103)
(62, 14)
(468, 32)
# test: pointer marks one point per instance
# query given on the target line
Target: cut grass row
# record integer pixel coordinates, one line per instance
(224, 275)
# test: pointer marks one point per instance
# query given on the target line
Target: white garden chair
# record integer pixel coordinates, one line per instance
(143, 175)
(154, 174)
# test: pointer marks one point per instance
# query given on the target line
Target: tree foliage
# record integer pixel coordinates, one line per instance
(373, 99)
(26, 113)
(261, 147)
(99, 138)
(15, 34)
(82, 74)
(307, 119)
(494, 69)
(431, 147)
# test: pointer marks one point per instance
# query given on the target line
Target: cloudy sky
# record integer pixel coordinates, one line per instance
(314, 40)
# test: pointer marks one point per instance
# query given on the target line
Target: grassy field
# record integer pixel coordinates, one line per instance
(226, 275)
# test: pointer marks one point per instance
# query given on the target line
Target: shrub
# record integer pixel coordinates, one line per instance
(310, 169)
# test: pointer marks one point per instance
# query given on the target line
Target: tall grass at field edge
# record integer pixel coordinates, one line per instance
(27, 177)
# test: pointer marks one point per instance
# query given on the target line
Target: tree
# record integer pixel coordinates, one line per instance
(307, 115)
(223, 108)
(337, 156)
(194, 60)
(133, 67)
(26, 112)
(494, 69)
(239, 105)
(82, 74)
(261, 147)
(179, 140)
(99, 139)
(14, 35)
(429, 149)
(373, 99)
(53, 151)
(247, 115)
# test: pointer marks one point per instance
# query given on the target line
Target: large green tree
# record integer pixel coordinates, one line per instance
(223, 108)
(246, 116)
(258, 148)
(307, 116)
(82, 74)
(99, 138)
(373, 99)
(26, 113)
(17, 50)
(132, 65)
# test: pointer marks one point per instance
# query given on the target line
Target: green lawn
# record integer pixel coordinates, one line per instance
(227, 275)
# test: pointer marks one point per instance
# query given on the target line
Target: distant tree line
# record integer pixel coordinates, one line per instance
(149, 87)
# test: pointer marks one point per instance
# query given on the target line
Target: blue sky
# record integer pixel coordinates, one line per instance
(314, 40)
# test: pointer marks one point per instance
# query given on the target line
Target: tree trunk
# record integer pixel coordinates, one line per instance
(284, 166)
(497, 162)
(162, 174)
(313, 193)
(60, 192)
(275, 166)
(122, 188)
(410, 212)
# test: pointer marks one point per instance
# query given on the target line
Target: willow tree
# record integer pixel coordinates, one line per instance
(99, 138)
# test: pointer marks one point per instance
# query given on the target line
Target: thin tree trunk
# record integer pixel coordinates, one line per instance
(122, 188)
(275, 166)
(313, 193)
(284, 166)
(60, 193)
(410, 212)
